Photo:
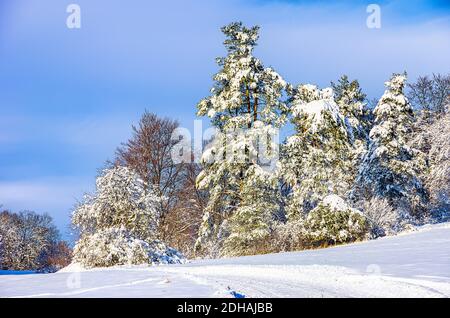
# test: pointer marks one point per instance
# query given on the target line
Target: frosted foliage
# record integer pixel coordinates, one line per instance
(391, 168)
(318, 111)
(256, 145)
(305, 93)
(249, 227)
(335, 203)
(10, 243)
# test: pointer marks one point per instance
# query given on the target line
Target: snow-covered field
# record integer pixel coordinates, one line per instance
(408, 265)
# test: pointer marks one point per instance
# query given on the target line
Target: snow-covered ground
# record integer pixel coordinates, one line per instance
(408, 265)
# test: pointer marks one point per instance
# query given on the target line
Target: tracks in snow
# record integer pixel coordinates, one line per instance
(307, 281)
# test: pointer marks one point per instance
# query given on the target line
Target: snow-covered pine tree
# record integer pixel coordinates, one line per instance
(316, 160)
(350, 99)
(245, 106)
(118, 223)
(390, 168)
(252, 221)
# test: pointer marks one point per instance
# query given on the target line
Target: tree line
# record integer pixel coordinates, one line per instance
(30, 241)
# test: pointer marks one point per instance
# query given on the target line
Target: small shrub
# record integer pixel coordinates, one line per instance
(382, 218)
(290, 236)
(333, 222)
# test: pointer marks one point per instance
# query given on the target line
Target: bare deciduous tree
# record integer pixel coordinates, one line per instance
(148, 153)
(438, 177)
(182, 223)
(430, 95)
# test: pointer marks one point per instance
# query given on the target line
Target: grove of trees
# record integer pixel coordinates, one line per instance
(29, 241)
(353, 169)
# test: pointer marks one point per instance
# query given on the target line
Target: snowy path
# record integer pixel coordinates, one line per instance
(408, 265)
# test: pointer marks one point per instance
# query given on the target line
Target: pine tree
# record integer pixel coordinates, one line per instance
(350, 99)
(245, 106)
(251, 224)
(390, 168)
(316, 159)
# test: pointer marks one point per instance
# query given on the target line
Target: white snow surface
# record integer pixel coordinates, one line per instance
(414, 264)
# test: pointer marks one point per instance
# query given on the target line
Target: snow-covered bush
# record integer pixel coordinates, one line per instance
(333, 221)
(382, 218)
(108, 247)
(115, 246)
(118, 223)
(249, 231)
(121, 199)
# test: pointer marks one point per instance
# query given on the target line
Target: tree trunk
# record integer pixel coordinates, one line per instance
(249, 105)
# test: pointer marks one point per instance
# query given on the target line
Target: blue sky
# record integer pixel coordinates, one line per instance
(68, 97)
